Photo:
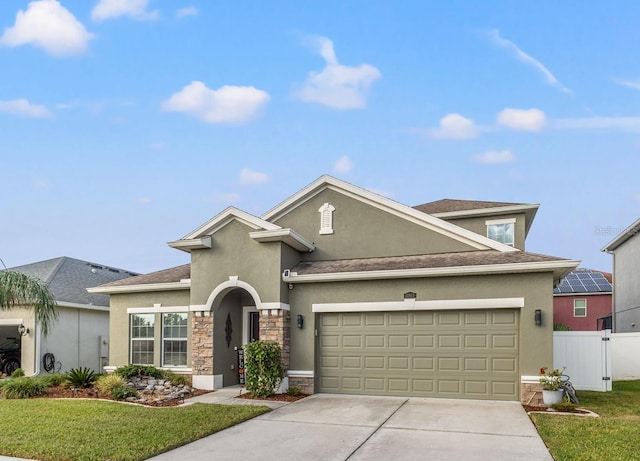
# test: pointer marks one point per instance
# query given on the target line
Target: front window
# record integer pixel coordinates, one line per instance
(502, 232)
(579, 307)
(142, 328)
(174, 340)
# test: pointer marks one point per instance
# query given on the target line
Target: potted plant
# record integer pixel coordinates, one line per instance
(552, 385)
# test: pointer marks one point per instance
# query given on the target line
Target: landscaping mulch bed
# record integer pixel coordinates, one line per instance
(579, 411)
(274, 397)
(63, 392)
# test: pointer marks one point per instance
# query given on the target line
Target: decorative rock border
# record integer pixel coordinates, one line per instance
(157, 390)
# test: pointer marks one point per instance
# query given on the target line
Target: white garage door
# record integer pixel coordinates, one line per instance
(452, 354)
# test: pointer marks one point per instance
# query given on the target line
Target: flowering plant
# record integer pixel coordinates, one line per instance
(551, 380)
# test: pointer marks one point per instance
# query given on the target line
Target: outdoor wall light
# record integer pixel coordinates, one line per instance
(22, 330)
(538, 317)
(300, 321)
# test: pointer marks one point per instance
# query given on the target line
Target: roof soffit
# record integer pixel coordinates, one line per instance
(390, 206)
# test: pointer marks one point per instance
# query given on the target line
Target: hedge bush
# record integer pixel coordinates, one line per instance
(263, 367)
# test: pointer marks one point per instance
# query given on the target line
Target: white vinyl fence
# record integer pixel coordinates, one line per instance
(625, 354)
(586, 358)
(594, 358)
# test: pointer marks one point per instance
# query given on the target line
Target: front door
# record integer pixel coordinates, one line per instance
(254, 326)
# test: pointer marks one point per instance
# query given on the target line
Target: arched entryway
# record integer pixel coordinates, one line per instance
(233, 315)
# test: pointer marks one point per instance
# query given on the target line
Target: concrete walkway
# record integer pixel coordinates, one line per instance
(340, 427)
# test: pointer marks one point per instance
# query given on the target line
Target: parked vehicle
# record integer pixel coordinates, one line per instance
(9, 356)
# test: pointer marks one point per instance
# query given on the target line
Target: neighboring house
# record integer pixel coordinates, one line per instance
(79, 338)
(364, 295)
(583, 300)
(625, 249)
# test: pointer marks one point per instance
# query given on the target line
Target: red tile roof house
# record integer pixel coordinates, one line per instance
(583, 301)
(363, 294)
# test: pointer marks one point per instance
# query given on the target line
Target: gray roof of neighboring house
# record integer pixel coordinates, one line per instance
(582, 280)
(173, 274)
(68, 278)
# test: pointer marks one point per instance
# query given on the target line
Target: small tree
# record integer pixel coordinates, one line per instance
(18, 289)
(263, 367)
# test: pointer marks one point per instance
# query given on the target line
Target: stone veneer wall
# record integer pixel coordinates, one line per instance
(531, 394)
(305, 384)
(202, 343)
(275, 325)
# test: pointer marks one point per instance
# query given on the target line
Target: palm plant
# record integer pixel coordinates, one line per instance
(18, 289)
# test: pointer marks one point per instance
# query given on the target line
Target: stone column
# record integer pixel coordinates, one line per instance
(202, 343)
(275, 325)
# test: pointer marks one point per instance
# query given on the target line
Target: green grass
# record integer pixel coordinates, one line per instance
(615, 436)
(47, 429)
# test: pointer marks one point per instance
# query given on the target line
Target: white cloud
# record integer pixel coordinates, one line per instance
(495, 156)
(24, 108)
(343, 165)
(229, 104)
(48, 25)
(529, 60)
(187, 11)
(337, 86)
(455, 126)
(42, 184)
(522, 119)
(635, 84)
(230, 197)
(143, 200)
(249, 177)
(136, 9)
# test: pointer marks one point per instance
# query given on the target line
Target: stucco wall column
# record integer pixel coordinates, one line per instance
(202, 343)
(275, 325)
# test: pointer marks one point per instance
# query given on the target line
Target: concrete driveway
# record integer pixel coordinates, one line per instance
(340, 427)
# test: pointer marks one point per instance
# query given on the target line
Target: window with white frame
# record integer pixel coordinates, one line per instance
(326, 218)
(502, 230)
(579, 307)
(174, 340)
(142, 331)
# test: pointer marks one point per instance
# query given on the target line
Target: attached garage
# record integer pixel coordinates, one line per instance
(440, 353)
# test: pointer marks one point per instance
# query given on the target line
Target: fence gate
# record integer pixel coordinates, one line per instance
(586, 357)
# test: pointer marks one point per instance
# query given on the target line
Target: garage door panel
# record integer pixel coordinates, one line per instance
(472, 354)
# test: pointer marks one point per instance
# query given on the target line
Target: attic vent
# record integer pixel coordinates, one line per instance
(326, 218)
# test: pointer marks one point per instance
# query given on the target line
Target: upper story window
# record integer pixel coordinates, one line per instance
(502, 230)
(326, 218)
(579, 307)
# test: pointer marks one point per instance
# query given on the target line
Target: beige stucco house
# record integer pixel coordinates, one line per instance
(365, 296)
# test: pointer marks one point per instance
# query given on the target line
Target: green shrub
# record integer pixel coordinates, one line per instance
(107, 383)
(295, 391)
(122, 392)
(177, 380)
(17, 373)
(22, 388)
(54, 379)
(557, 326)
(263, 367)
(131, 371)
(81, 377)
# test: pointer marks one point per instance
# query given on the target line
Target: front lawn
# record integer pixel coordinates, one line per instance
(614, 436)
(47, 429)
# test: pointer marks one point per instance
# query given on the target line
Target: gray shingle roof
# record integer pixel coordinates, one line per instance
(467, 258)
(68, 278)
(173, 274)
(446, 205)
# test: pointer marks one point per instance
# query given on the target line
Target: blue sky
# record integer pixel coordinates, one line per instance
(127, 124)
